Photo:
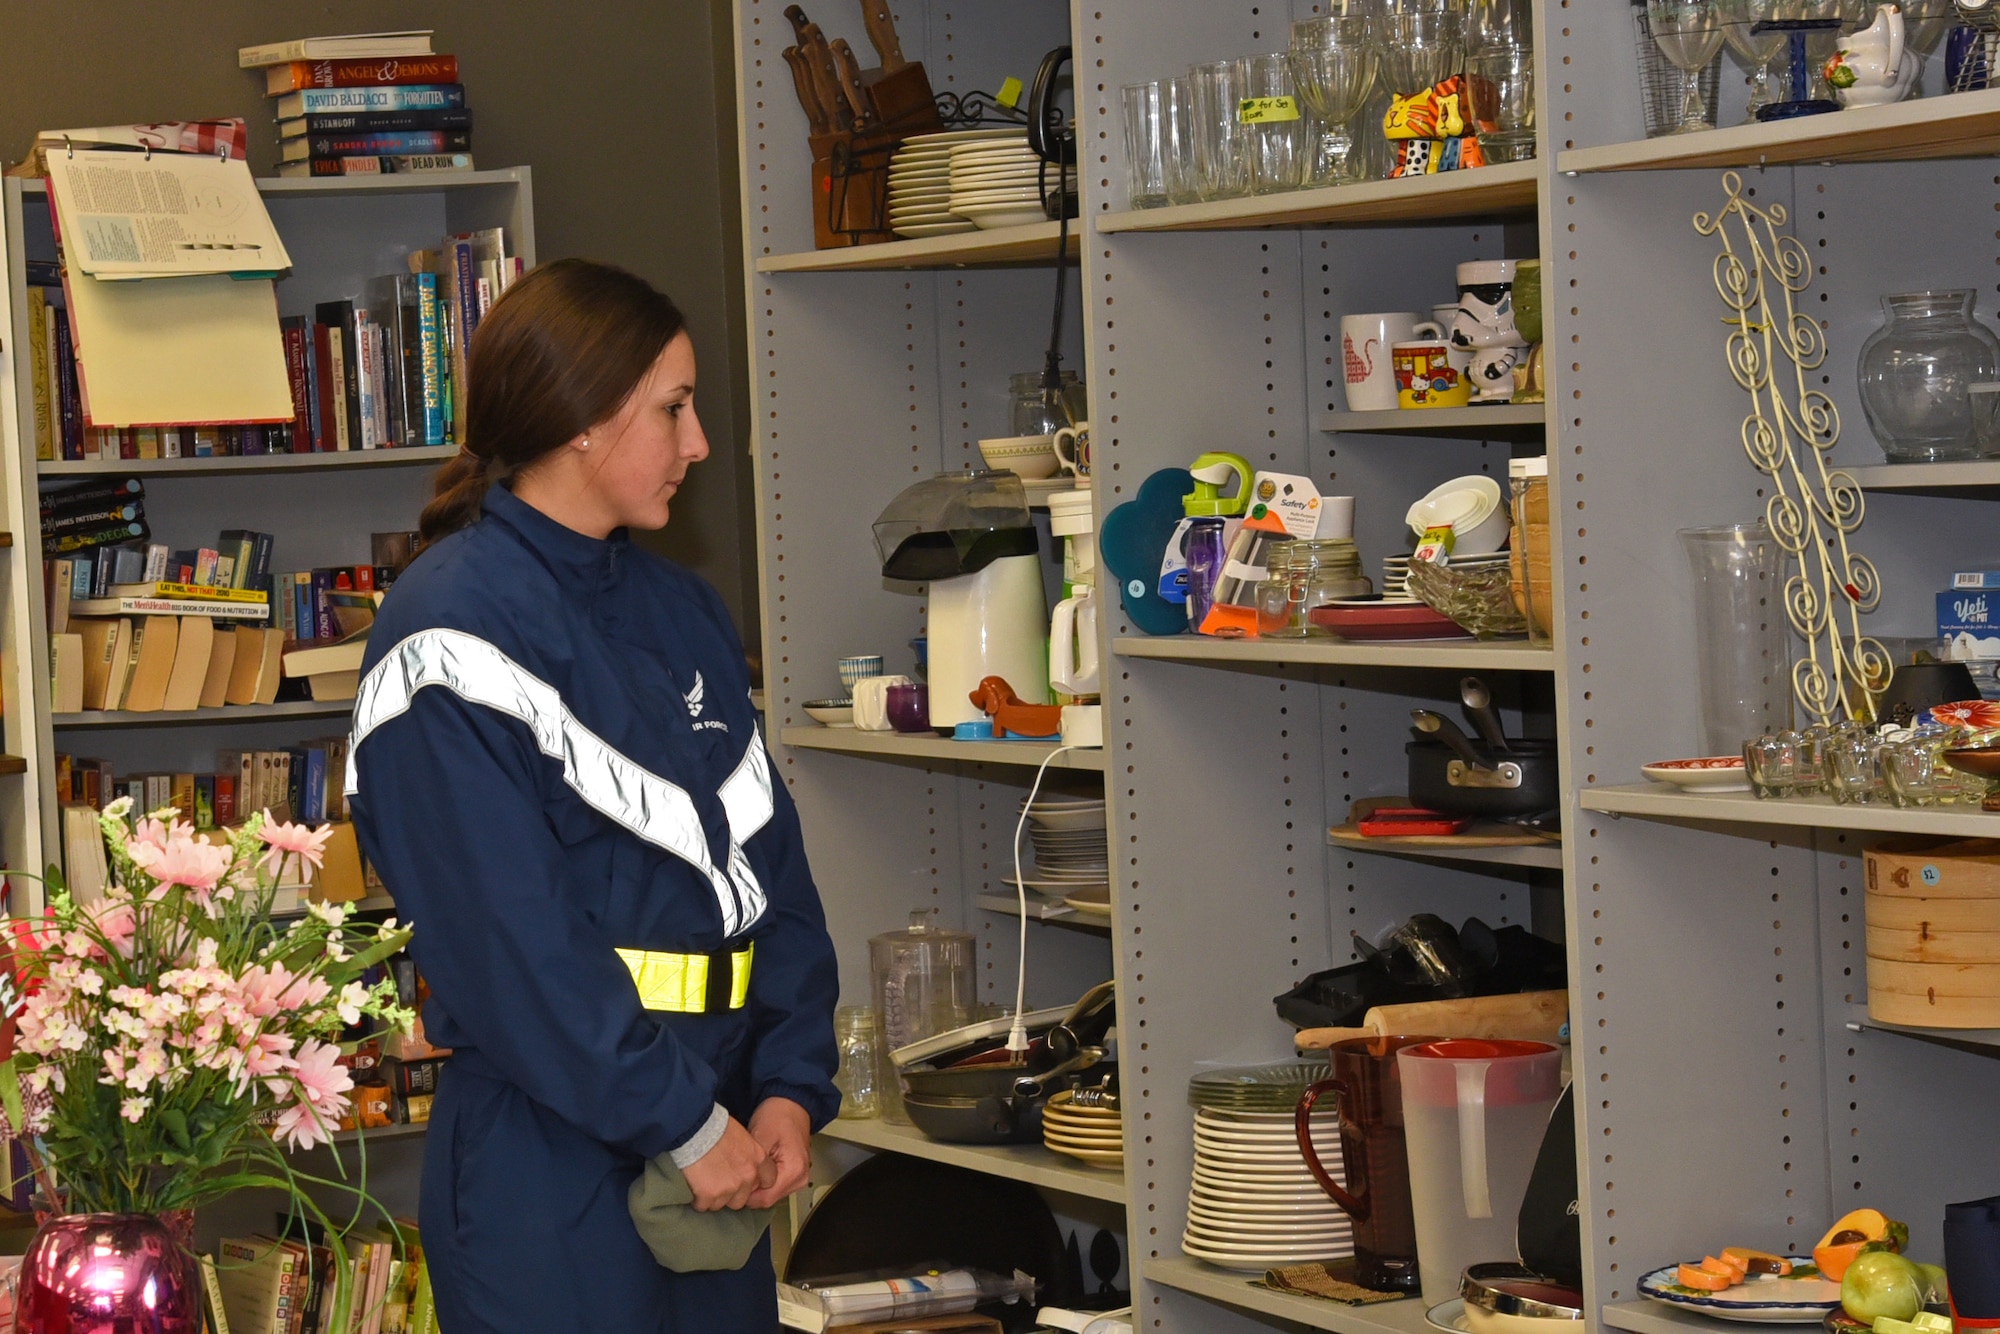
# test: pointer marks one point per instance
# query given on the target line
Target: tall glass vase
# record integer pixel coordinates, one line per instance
(1740, 634)
(108, 1274)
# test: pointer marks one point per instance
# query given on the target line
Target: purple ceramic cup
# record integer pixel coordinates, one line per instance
(910, 708)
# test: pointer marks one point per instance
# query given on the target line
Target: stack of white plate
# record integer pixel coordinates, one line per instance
(1254, 1204)
(1396, 573)
(1090, 1132)
(998, 182)
(920, 182)
(1072, 851)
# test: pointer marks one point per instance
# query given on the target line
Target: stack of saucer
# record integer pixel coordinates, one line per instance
(1396, 573)
(1088, 1129)
(1254, 1204)
(920, 182)
(1072, 852)
(999, 182)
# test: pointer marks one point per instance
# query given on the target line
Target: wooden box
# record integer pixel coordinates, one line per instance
(1933, 919)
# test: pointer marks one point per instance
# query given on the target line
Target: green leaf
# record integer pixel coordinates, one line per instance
(174, 1121)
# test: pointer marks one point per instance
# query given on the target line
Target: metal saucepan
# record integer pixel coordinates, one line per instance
(1454, 775)
(1010, 1116)
(998, 1073)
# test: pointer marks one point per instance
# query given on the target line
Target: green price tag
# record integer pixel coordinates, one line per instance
(1010, 92)
(1260, 110)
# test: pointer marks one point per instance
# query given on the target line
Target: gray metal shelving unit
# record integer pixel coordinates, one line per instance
(1729, 1081)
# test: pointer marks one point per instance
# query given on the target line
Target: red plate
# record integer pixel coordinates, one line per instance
(1387, 620)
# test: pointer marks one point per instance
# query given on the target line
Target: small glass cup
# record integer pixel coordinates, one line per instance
(1221, 148)
(1177, 135)
(1764, 760)
(1281, 135)
(1856, 769)
(1502, 87)
(1145, 144)
(1916, 774)
(854, 1031)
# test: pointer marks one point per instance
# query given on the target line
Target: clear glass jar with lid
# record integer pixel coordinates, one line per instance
(1035, 416)
(1302, 575)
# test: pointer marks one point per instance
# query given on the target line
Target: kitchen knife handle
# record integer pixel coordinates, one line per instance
(881, 25)
(808, 99)
(849, 70)
(819, 59)
(797, 18)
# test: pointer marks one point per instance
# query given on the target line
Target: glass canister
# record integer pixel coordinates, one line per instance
(923, 978)
(1034, 415)
(1917, 373)
(1528, 552)
(859, 1076)
(1302, 575)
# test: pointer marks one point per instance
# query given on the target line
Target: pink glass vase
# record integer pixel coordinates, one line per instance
(108, 1274)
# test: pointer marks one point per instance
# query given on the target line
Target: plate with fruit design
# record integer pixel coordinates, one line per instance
(1801, 1296)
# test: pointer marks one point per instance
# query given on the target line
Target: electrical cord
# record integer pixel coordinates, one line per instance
(1017, 1036)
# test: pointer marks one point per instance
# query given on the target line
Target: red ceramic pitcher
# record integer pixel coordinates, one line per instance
(1377, 1195)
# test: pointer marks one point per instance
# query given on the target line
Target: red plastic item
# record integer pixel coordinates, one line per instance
(1405, 821)
(1386, 620)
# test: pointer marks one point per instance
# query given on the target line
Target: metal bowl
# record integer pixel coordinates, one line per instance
(1508, 1298)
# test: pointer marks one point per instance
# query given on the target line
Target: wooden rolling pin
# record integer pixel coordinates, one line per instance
(1536, 1015)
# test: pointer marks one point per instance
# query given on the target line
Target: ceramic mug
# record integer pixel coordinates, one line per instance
(1425, 375)
(1072, 444)
(1365, 341)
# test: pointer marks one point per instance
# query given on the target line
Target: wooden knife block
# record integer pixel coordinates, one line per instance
(850, 188)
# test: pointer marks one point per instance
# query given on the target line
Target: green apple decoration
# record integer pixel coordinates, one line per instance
(1882, 1283)
(1940, 1291)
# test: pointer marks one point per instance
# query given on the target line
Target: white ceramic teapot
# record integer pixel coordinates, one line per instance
(1872, 66)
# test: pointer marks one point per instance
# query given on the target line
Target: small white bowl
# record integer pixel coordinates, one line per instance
(1030, 457)
(831, 712)
(1471, 506)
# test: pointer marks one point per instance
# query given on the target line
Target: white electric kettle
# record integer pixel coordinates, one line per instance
(1073, 644)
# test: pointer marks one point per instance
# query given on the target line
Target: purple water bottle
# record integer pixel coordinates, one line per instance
(1205, 555)
(1207, 509)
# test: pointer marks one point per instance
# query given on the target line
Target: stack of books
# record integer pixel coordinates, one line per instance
(79, 522)
(302, 782)
(284, 1284)
(377, 107)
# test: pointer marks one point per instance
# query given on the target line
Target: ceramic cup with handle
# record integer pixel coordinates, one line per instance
(1072, 446)
(1365, 343)
(1425, 374)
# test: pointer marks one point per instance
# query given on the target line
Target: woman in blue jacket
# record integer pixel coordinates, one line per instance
(557, 771)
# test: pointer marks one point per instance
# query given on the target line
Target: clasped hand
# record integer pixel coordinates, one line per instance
(754, 1168)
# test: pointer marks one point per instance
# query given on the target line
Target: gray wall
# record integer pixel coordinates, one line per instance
(615, 104)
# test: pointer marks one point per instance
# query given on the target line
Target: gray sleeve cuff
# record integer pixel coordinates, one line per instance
(702, 1140)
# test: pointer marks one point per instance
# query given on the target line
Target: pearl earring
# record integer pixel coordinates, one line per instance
(586, 443)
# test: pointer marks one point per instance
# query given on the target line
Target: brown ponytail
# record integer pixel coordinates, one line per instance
(561, 352)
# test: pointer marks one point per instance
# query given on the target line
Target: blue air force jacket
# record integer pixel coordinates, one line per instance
(555, 758)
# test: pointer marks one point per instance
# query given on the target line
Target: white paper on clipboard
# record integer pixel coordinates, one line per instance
(205, 349)
(162, 215)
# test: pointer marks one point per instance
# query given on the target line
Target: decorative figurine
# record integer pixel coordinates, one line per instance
(1485, 327)
(1872, 66)
(1431, 131)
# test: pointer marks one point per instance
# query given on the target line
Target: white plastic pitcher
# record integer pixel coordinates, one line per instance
(1474, 1112)
(1073, 645)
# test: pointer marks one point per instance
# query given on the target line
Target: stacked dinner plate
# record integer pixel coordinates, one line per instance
(1088, 1129)
(998, 182)
(1254, 1204)
(920, 182)
(1072, 852)
(1396, 573)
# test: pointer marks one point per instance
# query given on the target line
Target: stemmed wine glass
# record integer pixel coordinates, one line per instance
(1333, 61)
(1690, 34)
(1419, 47)
(1757, 51)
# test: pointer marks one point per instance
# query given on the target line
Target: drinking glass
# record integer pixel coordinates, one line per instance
(1498, 23)
(1740, 633)
(1500, 82)
(857, 1079)
(1333, 61)
(1280, 138)
(1757, 51)
(1690, 34)
(1419, 47)
(1177, 136)
(1221, 149)
(1145, 145)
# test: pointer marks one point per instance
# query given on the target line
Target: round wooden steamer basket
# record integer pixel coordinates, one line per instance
(1934, 995)
(1967, 869)
(1936, 916)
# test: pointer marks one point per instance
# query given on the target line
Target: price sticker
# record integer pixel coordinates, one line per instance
(1436, 546)
(1264, 110)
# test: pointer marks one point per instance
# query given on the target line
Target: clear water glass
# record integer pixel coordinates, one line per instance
(1501, 86)
(1333, 62)
(1177, 135)
(1221, 149)
(1281, 134)
(1145, 145)
(1758, 51)
(1499, 23)
(1690, 34)
(1420, 47)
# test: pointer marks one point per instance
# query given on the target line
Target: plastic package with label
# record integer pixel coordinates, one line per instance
(911, 1290)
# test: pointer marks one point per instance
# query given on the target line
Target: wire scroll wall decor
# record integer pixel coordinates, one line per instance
(1813, 509)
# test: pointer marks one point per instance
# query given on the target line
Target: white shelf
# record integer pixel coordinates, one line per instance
(1234, 1289)
(1030, 1163)
(1547, 856)
(1644, 1317)
(1032, 244)
(416, 456)
(228, 713)
(905, 746)
(1974, 476)
(1951, 125)
(1507, 655)
(1502, 421)
(1657, 801)
(410, 183)
(1509, 189)
(1041, 910)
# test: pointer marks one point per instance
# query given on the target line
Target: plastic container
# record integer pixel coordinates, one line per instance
(923, 985)
(1474, 1112)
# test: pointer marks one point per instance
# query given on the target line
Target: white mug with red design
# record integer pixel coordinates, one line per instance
(1365, 343)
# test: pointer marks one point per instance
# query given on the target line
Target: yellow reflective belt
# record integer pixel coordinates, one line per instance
(678, 983)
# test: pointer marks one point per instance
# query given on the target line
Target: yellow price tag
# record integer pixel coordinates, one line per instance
(1260, 110)
(1010, 92)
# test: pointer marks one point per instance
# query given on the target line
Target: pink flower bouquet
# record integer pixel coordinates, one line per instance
(172, 1039)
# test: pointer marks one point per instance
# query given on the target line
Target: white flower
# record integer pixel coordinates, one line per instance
(134, 1109)
(352, 997)
(333, 914)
